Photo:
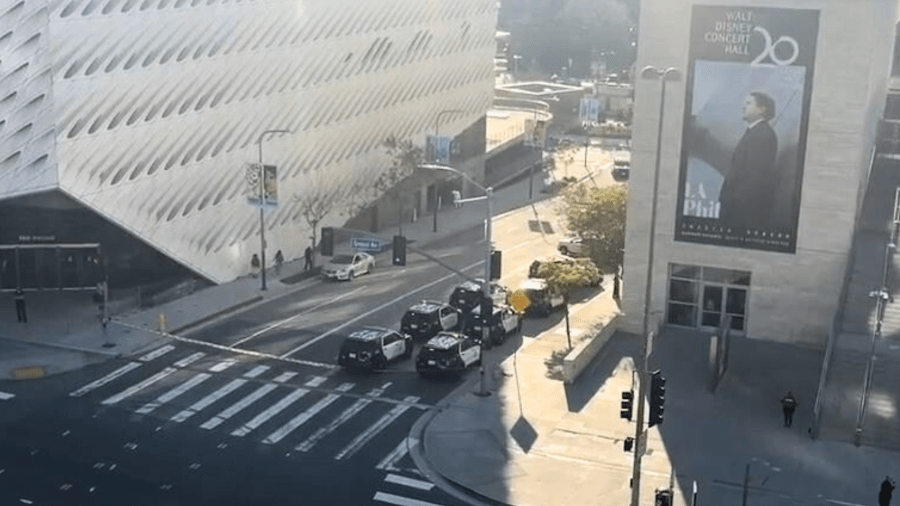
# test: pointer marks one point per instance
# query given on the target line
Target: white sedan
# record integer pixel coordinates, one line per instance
(348, 266)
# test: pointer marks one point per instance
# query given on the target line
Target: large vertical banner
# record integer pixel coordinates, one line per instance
(748, 92)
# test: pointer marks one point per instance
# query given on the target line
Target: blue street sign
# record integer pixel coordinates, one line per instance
(365, 244)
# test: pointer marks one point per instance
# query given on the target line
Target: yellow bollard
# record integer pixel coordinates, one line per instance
(162, 322)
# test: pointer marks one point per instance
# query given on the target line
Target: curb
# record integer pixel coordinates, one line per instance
(112, 354)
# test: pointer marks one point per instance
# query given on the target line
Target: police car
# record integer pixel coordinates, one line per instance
(427, 318)
(503, 322)
(373, 348)
(468, 295)
(448, 352)
(541, 300)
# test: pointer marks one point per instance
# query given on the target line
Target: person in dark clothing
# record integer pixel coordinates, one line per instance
(279, 259)
(308, 256)
(788, 406)
(887, 489)
(21, 316)
(745, 198)
(254, 264)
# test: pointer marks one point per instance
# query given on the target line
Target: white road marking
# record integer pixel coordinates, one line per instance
(409, 482)
(367, 435)
(348, 413)
(221, 366)
(400, 500)
(304, 313)
(106, 379)
(128, 392)
(302, 418)
(376, 310)
(387, 463)
(157, 353)
(186, 361)
(173, 393)
(256, 371)
(276, 408)
(4, 396)
(218, 394)
(257, 394)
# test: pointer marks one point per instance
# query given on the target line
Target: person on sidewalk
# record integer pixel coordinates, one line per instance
(788, 406)
(21, 316)
(308, 257)
(887, 490)
(254, 265)
(279, 259)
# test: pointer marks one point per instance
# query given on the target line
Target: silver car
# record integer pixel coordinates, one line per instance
(346, 267)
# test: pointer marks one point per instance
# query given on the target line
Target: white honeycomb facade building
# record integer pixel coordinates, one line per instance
(146, 112)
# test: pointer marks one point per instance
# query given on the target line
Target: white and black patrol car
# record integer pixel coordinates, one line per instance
(448, 353)
(373, 348)
(427, 318)
(541, 300)
(503, 322)
(468, 295)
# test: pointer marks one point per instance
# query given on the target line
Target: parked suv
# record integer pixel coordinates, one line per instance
(448, 352)
(468, 295)
(573, 246)
(373, 348)
(594, 277)
(541, 301)
(503, 322)
(427, 318)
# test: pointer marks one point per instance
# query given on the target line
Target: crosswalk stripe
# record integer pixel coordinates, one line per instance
(130, 366)
(302, 418)
(221, 366)
(367, 435)
(276, 408)
(408, 482)
(186, 361)
(400, 500)
(256, 371)
(5, 396)
(398, 453)
(348, 413)
(162, 350)
(257, 394)
(173, 393)
(128, 392)
(208, 400)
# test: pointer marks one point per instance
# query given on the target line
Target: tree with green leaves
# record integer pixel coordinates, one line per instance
(563, 278)
(405, 158)
(598, 216)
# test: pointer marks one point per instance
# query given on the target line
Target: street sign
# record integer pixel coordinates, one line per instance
(365, 244)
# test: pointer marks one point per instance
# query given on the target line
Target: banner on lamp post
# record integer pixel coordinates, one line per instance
(589, 110)
(439, 149)
(535, 131)
(263, 194)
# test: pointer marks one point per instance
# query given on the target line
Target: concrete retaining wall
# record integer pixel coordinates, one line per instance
(581, 356)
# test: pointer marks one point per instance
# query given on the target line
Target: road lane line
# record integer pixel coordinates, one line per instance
(4, 396)
(302, 418)
(186, 361)
(257, 394)
(387, 463)
(382, 423)
(348, 413)
(395, 300)
(173, 393)
(286, 320)
(162, 350)
(409, 482)
(400, 500)
(106, 379)
(276, 408)
(128, 392)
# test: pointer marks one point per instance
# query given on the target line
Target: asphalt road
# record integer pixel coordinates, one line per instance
(189, 424)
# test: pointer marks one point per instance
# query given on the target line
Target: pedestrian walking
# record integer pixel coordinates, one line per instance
(21, 316)
(788, 406)
(456, 197)
(254, 264)
(616, 281)
(279, 259)
(308, 256)
(887, 489)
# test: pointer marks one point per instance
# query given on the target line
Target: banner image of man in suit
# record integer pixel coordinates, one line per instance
(749, 88)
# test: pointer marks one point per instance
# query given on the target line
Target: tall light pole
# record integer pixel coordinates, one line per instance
(747, 476)
(669, 74)
(437, 159)
(486, 286)
(262, 194)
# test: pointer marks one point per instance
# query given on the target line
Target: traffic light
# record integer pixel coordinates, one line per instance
(663, 498)
(487, 309)
(496, 261)
(399, 256)
(627, 404)
(327, 243)
(629, 443)
(657, 398)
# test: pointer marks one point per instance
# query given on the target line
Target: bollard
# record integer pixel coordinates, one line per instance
(162, 322)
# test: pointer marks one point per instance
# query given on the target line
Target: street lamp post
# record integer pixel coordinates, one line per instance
(649, 72)
(747, 476)
(262, 220)
(437, 160)
(486, 285)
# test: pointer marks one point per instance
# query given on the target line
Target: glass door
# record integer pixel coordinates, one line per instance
(712, 305)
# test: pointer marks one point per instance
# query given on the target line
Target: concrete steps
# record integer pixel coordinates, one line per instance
(881, 426)
(843, 387)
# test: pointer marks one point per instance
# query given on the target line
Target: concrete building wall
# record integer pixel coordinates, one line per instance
(149, 111)
(792, 296)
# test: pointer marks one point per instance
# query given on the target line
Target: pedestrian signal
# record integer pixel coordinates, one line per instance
(327, 244)
(496, 259)
(629, 444)
(399, 253)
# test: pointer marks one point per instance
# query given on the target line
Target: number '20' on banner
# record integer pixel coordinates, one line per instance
(261, 185)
